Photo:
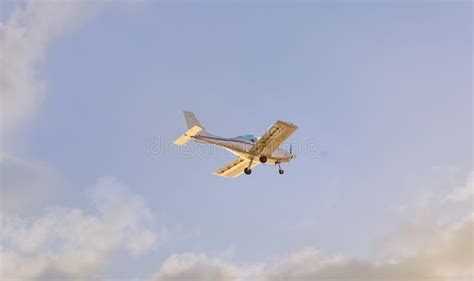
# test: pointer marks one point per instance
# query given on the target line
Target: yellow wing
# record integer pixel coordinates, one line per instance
(235, 168)
(273, 138)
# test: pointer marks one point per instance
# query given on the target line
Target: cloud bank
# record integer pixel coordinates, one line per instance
(421, 249)
(448, 256)
(70, 243)
(24, 39)
(75, 244)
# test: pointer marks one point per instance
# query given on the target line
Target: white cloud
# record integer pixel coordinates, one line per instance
(464, 193)
(70, 243)
(425, 248)
(449, 255)
(59, 243)
(192, 266)
(24, 39)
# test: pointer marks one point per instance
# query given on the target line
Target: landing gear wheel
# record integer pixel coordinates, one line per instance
(247, 171)
(263, 159)
(281, 171)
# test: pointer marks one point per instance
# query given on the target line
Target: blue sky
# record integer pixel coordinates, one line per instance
(382, 95)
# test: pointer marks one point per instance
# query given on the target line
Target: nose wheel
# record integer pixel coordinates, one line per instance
(280, 170)
(263, 159)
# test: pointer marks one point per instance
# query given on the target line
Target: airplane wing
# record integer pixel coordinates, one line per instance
(235, 168)
(273, 138)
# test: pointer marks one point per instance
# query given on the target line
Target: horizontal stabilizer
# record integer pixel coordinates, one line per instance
(184, 138)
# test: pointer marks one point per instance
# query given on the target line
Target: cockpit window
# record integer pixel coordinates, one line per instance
(251, 138)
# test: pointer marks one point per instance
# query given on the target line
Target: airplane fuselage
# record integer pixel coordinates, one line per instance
(242, 148)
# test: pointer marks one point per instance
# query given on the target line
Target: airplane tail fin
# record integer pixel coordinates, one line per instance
(191, 120)
(194, 129)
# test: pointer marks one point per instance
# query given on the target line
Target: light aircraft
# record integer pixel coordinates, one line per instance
(251, 150)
